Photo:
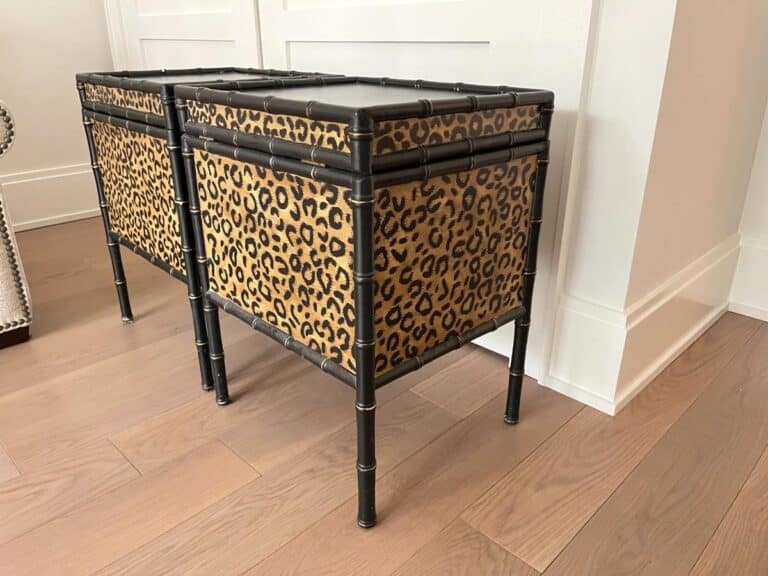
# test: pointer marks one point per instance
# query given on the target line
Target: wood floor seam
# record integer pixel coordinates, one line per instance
(623, 480)
(303, 530)
(521, 463)
(537, 509)
(125, 467)
(351, 418)
(9, 456)
(85, 367)
(234, 451)
(297, 458)
(728, 510)
(116, 560)
(57, 558)
(436, 403)
(691, 490)
(389, 472)
(464, 435)
(492, 539)
(128, 460)
(344, 503)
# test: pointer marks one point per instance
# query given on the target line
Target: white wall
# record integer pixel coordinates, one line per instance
(629, 45)
(658, 108)
(46, 176)
(664, 157)
(708, 128)
(749, 294)
(709, 123)
(536, 44)
(151, 34)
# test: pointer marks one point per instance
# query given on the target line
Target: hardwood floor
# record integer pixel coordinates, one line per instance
(113, 461)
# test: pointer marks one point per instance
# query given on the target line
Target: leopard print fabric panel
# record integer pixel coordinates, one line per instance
(280, 247)
(132, 99)
(398, 135)
(330, 135)
(449, 255)
(390, 136)
(136, 172)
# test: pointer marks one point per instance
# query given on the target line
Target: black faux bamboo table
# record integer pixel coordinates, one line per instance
(370, 225)
(133, 136)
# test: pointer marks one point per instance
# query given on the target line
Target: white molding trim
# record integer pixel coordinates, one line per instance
(602, 313)
(749, 293)
(748, 310)
(671, 353)
(114, 20)
(638, 311)
(48, 196)
(44, 173)
(576, 392)
(605, 357)
(57, 219)
(586, 356)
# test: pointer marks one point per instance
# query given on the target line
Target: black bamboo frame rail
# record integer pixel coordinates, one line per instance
(138, 81)
(166, 128)
(363, 183)
(470, 98)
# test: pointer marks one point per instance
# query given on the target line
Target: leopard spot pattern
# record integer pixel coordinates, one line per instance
(131, 99)
(449, 254)
(330, 135)
(138, 186)
(280, 247)
(398, 135)
(390, 136)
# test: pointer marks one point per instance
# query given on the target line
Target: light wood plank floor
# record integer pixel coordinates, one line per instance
(113, 461)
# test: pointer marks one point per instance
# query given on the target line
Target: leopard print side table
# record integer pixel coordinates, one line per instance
(370, 225)
(134, 142)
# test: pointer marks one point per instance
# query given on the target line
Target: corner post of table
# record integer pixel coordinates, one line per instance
(112, 239)
(210, 311)
(181, 201)
(522, 324)
(362, 199)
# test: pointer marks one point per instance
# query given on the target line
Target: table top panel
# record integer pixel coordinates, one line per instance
(356, 95)
(161, 78)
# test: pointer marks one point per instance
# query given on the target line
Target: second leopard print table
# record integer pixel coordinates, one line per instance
(134, 140)
(370, 225)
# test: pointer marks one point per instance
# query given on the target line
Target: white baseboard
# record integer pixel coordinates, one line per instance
(749, 293)
(588, 343)
(49, 196)
(604, 358)
(756, 312)
(666, 357)
(583, 395)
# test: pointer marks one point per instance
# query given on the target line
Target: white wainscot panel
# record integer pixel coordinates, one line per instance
(309, 4)
(155, 7)
(165, 53)
(444, 60)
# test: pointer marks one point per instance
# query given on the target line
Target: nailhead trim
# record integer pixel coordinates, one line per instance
(7, 122)
(21, 290)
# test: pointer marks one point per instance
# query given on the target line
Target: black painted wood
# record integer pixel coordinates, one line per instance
(357, 176)
(350, 100)
(208, 349)
(13, 337)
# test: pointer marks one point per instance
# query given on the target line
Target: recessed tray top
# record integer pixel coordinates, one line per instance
(138, 95)
(358, 95)
(203, 77)
(410, 122)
